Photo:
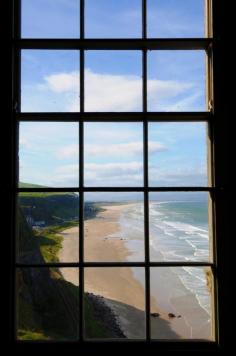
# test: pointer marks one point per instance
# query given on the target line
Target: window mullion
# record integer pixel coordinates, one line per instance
(81, 184)
(145, 174)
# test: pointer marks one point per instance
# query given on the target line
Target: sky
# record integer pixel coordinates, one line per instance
(49, 153)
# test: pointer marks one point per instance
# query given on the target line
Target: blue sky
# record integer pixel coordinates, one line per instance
(112, 18)
(113, 152)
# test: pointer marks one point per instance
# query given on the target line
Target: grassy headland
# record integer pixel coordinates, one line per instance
(47, 304)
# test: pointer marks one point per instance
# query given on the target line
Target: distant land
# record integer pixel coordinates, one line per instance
(30, 185)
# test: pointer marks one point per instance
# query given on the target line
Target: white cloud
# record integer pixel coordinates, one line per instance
(111, 150)
(117, 174)
(117, 150)
(181, 176)
(63, 82)
(70, 151)
(109, 92)
(188, 103)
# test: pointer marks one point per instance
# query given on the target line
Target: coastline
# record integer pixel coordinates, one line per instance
(118, 286)
(123, 288)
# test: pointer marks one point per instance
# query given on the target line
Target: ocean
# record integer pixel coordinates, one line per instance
(178, 232)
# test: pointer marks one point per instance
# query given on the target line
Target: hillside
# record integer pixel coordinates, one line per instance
(30, 185)
(48, 305)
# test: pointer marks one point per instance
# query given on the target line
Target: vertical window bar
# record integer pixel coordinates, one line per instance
(16, 107)
(210, 167)
(212, 225)
(145, 173)
(81, 183)
(144, 19)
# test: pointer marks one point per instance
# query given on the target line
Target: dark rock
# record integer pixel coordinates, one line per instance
(105, 315)
(155, 315)
(171, 315)
(179, 316)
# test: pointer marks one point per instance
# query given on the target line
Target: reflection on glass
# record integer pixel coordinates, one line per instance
(48, 227)
(49, 154)
(181, 303)
(178, 224)
(113, 154)
(50, 80)
(113, 19)
(176, 81)
(177, 154)
(44, 19)
(116, 297)
(47, 304)
(113, 81)
(114, 227)
(171, 18)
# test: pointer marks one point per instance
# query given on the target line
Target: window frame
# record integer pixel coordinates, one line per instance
(216, 125)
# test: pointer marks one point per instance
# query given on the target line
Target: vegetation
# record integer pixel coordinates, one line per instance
(30, 185)
(47, 304)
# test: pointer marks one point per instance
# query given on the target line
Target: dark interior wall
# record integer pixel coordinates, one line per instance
(224, 104)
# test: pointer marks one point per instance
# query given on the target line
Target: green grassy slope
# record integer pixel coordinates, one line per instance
(48, 305)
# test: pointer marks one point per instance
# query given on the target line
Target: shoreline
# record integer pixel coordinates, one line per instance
(118, 286)
(106, 240)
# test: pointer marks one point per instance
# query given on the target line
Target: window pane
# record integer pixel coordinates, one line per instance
(181, 303)
(176, 81)
(44, 19)
(171, 18)
(179, 228)
(116, 297)
(47, 304)
(49, 154)
(114, 227)
(113, 154)
(113, 19)
(113, 81)
(50, 81)
(48, 227)
(177, 154)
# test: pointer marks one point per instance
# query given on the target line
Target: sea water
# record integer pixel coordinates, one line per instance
(178, 232)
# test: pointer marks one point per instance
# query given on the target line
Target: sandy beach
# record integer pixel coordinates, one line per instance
(120, 289)
(70, 253)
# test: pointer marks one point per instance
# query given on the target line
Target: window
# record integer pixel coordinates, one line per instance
(115, 126)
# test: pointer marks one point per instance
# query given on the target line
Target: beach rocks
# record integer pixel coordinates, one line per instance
(105, 315)
(155, 315)
(171, 315)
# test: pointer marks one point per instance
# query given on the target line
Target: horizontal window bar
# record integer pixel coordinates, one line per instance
(118, 189)
(113, 44)
(114, 116)
(166, 344)
(118, 264)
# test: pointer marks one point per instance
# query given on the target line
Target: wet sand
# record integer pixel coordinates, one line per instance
(120, 289)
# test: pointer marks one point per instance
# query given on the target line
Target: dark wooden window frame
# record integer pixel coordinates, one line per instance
(217, 123)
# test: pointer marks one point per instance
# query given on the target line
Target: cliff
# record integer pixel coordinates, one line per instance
(48, 305)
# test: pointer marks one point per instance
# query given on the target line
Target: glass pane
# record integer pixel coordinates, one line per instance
(171, 18)
(176, 81)
(44, 18)
(114, 227)
(115, 296)
(48, 227)
(49, 154)
(113, 81)
(113, 19)
(50, 80)
(181, 303)
(179, 229)
(113, 154)
(47, 304)
(177, 154)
